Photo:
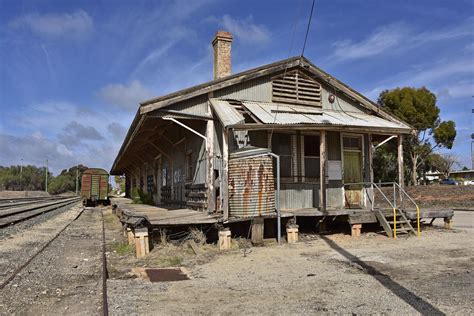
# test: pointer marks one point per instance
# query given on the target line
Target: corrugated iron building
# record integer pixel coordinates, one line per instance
(184, 148)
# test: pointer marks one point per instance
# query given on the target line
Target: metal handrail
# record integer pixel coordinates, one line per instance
(392, 205)
(416, 206)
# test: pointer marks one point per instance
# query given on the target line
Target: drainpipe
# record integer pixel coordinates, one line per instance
(277, 204)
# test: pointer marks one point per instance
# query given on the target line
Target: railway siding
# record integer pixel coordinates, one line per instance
(65, 277)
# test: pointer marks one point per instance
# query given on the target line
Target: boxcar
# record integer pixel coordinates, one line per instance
(95, 187)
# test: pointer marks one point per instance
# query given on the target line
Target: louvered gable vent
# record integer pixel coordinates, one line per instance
(296, 88)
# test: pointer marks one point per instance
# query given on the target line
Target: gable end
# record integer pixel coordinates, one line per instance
(294, 87)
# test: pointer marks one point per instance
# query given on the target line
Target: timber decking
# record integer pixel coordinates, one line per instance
(158, 216)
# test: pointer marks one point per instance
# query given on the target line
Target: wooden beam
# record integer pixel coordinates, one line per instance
(225, 174)
(371, 166)
(322, 170)
(401, 178)
(210, 164)
(303, 127)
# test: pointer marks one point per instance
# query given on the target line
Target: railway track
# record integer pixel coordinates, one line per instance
(18, 213)
(8, 203)
(57, 235)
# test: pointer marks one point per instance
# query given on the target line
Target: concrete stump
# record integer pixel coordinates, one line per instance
(130, 236)
(224, 239)
(292, 234)
(448, 223)
(142, 246)
(355, 230)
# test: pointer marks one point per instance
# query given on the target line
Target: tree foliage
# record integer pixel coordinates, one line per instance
(32, 178)
(418, 108)
(28, 177)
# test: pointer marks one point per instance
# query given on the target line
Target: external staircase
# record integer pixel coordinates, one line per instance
(391, 215)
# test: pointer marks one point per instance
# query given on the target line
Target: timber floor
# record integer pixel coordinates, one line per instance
(160, 216)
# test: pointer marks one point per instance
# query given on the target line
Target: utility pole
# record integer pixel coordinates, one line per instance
(46, 177)
(77, 178)
(21, 171)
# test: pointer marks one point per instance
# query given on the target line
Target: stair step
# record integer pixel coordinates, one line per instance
(398, 222)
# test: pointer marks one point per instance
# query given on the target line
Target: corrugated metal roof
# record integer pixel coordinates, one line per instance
(226, 113)
(273, 113)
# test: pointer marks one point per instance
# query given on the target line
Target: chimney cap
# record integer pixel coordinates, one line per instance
(222, 35)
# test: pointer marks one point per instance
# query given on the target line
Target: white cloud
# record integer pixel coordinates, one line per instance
(126, 97)
(75, 24)
(245, 30)
(434, 77)
(381, 40)
(397, 37)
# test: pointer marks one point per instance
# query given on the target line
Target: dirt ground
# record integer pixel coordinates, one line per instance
(321, 274)
(439, 196)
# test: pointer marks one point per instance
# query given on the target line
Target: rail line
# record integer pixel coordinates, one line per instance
(13, 215)
(8, 203)
(104, 274)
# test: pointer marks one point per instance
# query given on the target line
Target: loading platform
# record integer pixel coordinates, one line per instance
(137, 215)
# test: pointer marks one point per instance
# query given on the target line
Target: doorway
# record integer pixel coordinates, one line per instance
(352, 157)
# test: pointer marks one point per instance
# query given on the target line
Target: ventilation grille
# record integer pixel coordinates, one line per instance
(296, 87)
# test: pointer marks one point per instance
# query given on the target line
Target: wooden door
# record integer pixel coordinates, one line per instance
(353, 174)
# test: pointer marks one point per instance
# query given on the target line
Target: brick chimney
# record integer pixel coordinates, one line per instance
(222, 44)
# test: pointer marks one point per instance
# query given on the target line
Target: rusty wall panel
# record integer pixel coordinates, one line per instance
(251, 187)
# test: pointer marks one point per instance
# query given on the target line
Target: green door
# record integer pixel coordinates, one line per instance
(353, 174)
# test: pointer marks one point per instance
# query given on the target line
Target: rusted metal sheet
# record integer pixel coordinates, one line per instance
(251, 186)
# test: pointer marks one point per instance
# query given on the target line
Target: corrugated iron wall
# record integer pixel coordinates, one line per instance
(299, 195)
(197, 106)
(251, 187)
(259, 89)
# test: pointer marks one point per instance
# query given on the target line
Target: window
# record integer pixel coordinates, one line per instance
(311, 157)
(352, 143)
(150, 184)
(281, 145)
(164, 175)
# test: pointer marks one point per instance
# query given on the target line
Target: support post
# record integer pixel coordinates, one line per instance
(210, 164)
(322, 171)
(257, 231)
(355, 230)
(224, 239)
(400, 162)
(448, 222)
(142, 247)
(371, 172)
(292, 234)
(225, 175)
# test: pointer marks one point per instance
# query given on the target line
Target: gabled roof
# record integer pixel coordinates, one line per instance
(274, 68)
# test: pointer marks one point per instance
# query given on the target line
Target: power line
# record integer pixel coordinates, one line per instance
(307, 29)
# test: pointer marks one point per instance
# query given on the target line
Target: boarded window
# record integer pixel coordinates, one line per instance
(296, 88)
(311, 157)
(281, 145)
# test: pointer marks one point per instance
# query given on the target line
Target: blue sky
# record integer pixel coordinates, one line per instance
(72, 72)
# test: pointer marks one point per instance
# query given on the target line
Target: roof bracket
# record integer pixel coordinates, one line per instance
(186, 127)
(384, 141)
